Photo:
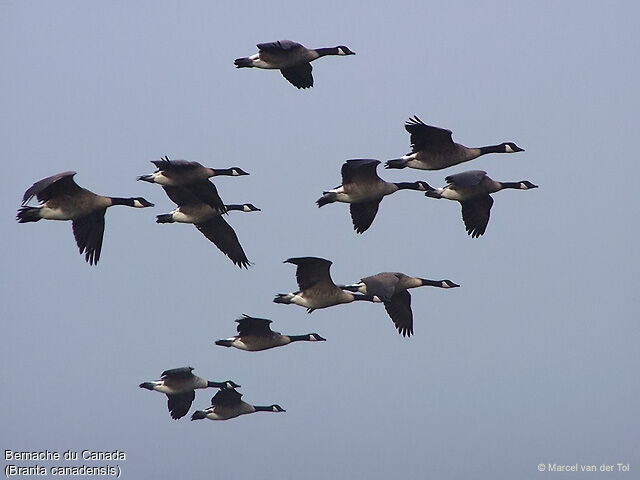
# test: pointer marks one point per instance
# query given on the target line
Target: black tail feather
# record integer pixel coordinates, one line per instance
(28, 214)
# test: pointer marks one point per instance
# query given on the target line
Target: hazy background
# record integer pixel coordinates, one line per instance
(533, 360)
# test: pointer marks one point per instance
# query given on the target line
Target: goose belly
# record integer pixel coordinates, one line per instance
(193, 215)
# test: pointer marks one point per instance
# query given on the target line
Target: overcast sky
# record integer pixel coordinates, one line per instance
(533, 360)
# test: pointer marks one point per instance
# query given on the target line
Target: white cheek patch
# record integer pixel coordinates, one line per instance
(445, 285)
(341, 52)
(523, 186)
(137, 204)
(508, 149)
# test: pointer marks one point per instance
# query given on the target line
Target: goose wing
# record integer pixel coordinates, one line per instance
(226, 397)
(164, 164)
(399, 310)
(299, 76)
(382, 285)
(218, 231)
(278, 46)
(363, 214)
(251, 326)
(423, 136)
(470, 178)
(180, 403)
(55, 185)
(311, 271)
(475, 214)
(88, 232)
(360, 171)
(178, 373)
(195, 193)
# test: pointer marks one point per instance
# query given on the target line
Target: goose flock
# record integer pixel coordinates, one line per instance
(188, 184)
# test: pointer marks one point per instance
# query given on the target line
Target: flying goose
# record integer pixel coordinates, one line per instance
(472, 189)
(291, 58)
(182, 173)
(317, 290)
(392, 289)
(227, 404)
(61, 198)
(255, 334)
(432, 148)
(363, 189)
(209, 221)
(179, 385)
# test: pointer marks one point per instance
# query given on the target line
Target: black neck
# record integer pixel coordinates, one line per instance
(408, 185)
(510, 185)
(260, 408)
(235, 207)
(327, 51)
(431, 283)
(492, 149)
(222, 171)
(121, 201)
(298, 338)
(217, 384)
(367, 298)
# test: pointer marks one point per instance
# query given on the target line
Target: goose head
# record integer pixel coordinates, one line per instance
(249, 207)
(342, 50)
(140, 202)
(526, 185)
(236, 171)
(510, 147)
(314, 337)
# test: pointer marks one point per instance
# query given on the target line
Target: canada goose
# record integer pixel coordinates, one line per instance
(363, 189)
(392, 289)
(291, 58)
(182, 173)
(61, 198)
(208, 221)
(472, 189)
(255, 334)
(227, 404)
(432, 148)
(317, 290)
(179, 385)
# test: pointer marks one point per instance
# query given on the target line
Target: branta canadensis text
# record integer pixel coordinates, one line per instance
(291, 58)
(255, 334)
(392, 289)
(182, 173)
(363, 189)
(432, 148)
(317, 290)
(472, 189)
(179, 385)
(61, 198)
(208, 221)
(227, 404)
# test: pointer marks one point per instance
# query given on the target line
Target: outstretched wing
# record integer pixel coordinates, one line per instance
(399, 309)
(88, 232)
(278, 46)
(470, 178)
(475, 214)
(164, 164)
(362, 170)
(424, 136)
(180, 403)
(224, 237)
(178, 373)
(311, 270)
(363, 214)
(299, 76)
(226, 397)
(251, 326)
(59, 184)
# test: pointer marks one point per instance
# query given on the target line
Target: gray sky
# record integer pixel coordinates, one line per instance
(533, 360)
